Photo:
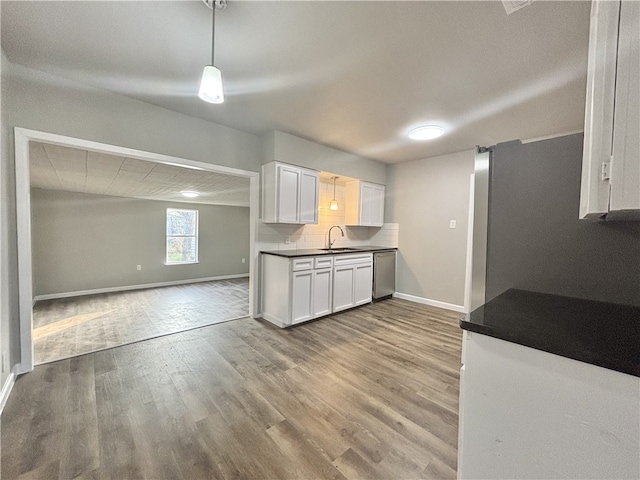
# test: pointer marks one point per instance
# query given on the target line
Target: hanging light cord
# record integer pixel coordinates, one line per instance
(214, 5)
(213, 31)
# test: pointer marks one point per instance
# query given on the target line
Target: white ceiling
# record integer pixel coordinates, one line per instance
(55, 167)
(352, 75)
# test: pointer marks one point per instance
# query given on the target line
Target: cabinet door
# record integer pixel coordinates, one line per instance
(367, 195)
(343, 282)
(377, 206)
(309, 193)
(625, 164)
(363, 287)
(302, 298)
(288, 194)
(322, 292)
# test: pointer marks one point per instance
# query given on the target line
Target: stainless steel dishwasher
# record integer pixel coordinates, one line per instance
(384, 274)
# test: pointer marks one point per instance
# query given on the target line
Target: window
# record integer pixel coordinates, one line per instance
(182, 236)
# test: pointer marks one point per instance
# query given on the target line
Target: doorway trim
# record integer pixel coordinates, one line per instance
(22, 137)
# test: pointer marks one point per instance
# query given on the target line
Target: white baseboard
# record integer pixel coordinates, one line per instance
(6, 390)
(271, 319)
(135, 287)
(428, 301)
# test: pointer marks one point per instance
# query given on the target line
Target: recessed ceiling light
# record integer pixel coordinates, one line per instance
(426, 132)
(189, 194)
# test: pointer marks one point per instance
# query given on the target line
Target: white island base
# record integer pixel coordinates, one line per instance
(525, 413)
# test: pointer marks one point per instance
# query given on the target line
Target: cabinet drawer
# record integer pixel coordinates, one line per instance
(353, 259)
(323, 262)
(299, 264)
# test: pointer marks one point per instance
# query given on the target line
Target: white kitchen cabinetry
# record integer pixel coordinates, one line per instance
(525, 413)
(611, 158)
(322, 284)
(302, 296)
(364, 204)
(296, 290)
(352, 280)
(289, 194)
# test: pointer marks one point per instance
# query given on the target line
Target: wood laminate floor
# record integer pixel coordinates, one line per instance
(365, 394)
(67, 327)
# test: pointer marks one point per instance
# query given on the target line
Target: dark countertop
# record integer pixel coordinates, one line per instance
(599, 333)
(307, 252)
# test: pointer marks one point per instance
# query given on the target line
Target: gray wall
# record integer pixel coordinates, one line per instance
(423, 196)
(35, 100)
(44, 102)
(536, 241)
(298, 151)
(85, 242)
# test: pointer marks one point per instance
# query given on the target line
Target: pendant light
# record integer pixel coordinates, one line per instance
(211, 82)
(334, 203)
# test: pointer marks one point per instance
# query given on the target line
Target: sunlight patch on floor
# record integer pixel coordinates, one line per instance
(66, 323)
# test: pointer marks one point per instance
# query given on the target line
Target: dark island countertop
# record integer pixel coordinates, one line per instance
(599, 333)
(307, 252)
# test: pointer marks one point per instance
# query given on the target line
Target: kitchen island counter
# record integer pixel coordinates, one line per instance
(549, 388)
(599, 333)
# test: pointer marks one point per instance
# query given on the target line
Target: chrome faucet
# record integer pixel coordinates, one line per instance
(341, 231)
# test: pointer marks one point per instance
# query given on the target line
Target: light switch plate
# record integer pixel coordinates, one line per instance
(452, 224)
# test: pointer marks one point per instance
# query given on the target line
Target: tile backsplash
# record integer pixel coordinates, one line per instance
(275, 236)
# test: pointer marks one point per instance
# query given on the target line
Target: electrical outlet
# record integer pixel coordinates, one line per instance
(452, 224)
(244, 260)
(287, 239)
(139, 267)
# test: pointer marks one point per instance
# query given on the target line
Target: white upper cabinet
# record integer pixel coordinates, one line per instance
(309, 195)
(625, 166)
(611, 160)
(289, 194)
(364, 204)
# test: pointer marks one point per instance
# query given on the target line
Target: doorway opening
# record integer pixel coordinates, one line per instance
(125, 289)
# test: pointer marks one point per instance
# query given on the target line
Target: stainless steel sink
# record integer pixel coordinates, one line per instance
(339, 249)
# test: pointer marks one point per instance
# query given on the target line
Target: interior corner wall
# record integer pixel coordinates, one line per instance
(423, 196)
(86, 242)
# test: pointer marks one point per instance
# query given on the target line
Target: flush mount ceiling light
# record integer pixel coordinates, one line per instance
(334, 203)
(211, 82)
(189, 194)
(426, 132)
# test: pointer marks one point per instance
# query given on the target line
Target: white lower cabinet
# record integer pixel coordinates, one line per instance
(363, 287)
(343, 281)
(352, 281)
(302, 296)
(295, 290)
(322, 292)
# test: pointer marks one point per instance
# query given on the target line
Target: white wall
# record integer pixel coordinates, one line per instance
(423, 196)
